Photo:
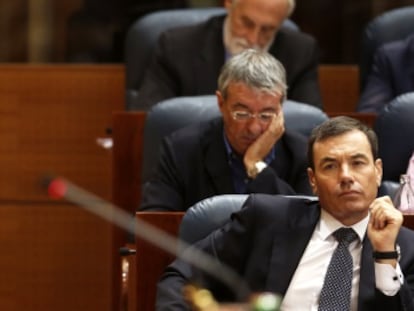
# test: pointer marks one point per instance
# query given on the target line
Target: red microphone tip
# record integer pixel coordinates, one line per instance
(57, 188)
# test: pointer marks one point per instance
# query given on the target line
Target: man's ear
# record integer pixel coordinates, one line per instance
(312, 182)
(220, 100)
(378, 169)
(227, 4)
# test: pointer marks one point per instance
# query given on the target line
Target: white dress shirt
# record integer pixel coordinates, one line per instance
(305, 287)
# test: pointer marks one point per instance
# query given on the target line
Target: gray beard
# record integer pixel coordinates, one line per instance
(235, 45)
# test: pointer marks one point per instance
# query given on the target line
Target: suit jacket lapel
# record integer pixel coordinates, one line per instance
(216, 159)
(288, 250)
(366, 296)
(409, 62)
(211, 55)
(411, 78)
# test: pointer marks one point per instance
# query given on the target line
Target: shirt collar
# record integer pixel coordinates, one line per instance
(328, 224)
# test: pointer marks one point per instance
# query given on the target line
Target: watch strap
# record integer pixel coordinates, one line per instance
(388, 255)
(385, 255)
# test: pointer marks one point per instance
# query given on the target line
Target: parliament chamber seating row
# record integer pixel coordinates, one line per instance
(55, 255)
(340, 91)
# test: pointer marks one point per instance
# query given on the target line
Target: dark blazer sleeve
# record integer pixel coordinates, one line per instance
(160, 80)
(162, 192)
(181, 176)
(299, 54)
(392, 74)
(186, 62)
(378, 90)
(406, 293)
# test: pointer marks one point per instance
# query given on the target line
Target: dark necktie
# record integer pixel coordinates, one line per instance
(336, 290)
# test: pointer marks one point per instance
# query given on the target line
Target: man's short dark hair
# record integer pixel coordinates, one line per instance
(338, 126)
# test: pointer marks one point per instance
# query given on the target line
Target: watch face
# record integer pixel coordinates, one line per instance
(398, 249)
(258, 167)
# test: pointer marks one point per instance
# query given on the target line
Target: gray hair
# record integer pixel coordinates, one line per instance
(255, 69)
(291, 6)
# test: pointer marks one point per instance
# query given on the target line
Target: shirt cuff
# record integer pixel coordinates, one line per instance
(387, 279)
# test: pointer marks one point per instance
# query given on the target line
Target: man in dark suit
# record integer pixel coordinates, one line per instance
(285, 245)
(187, 60)
(392, 74)
(246, 150)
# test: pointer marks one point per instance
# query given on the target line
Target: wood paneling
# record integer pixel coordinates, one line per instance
(128, 137)
(150, 260)
(50, 118)
(339, 87)
(366, 117)
(55, 256)
(128, 133)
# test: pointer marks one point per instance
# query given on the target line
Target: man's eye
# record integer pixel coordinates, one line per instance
(328, 166)
(358, 163)
(241, 115)
(266, 116)
(247, 23)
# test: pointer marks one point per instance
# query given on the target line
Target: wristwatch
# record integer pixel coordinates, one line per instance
(256, 169)
(388, 255)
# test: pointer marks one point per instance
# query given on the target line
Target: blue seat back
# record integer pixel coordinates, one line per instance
(209, 214)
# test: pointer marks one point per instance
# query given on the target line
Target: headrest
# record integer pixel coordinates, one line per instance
(209, 214)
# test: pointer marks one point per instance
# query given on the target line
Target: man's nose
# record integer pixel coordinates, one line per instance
(255, 126)
(253, 35)
(345, 174)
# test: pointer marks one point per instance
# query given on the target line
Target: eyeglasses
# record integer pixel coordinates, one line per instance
(264, 117)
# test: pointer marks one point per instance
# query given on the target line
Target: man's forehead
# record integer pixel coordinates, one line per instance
(351, 143)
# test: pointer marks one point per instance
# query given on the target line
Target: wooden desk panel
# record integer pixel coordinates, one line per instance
(151, 261)
(128, 135)
(50, 118)
(367, 118)
(54, 256)
(339, 87)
